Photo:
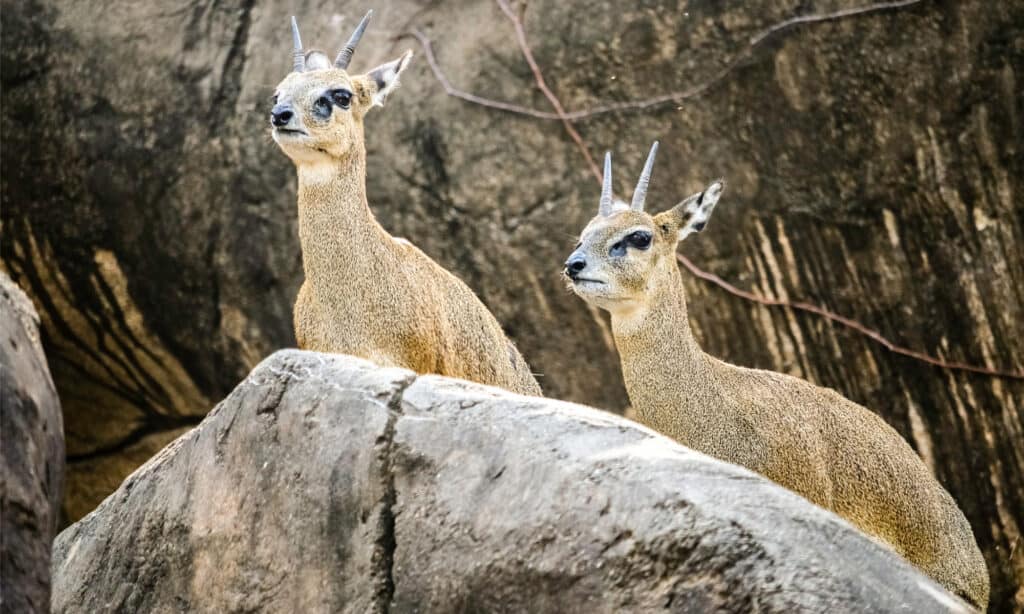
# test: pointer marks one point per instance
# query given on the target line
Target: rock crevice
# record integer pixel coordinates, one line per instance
(386, 543)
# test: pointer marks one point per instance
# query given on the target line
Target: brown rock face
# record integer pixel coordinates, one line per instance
(873, 162)
(325, 484)
(31, 457)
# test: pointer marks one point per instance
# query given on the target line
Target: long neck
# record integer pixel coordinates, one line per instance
(339, 235)
(661, 361)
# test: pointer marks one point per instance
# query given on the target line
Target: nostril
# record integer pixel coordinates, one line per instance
(280, 118)
(575, 265)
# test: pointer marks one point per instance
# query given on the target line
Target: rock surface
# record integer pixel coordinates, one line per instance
(874, 166)
(31, 457)
(323, 483)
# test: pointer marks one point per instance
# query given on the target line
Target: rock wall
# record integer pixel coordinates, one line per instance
(873, 161)
(325, 484)
(31, 457)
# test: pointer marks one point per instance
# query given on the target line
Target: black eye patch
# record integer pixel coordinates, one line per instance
(641, 239)
(322, 107)
(341, 98)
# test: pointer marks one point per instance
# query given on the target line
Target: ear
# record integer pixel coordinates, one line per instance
(693, 213)
(383, 80)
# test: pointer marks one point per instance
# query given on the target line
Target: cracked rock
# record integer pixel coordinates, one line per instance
(324, 484)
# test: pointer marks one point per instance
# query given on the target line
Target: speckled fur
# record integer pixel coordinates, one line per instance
(807, 438)
(367, 293)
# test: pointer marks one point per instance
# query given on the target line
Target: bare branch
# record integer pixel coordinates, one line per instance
(755, 41)
(539, 77)
(654, 101)
(567, 119)
(848, 322)
(428, 50)
(850, 12)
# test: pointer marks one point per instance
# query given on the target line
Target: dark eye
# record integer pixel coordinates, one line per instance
(273, 99)
(639, 239)
(342, 98)
(618, 249)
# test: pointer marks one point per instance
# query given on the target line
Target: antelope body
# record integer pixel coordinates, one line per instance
(805, 437)
(367, 293)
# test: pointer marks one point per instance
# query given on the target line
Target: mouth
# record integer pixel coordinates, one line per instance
(586, 280)
(290, 132)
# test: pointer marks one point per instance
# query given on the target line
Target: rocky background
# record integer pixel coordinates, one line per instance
(873, 162)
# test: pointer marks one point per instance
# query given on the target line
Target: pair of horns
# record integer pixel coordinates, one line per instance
(344, 56)
(639, 194)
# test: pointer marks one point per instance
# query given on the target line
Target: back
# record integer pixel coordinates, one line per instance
(846, 458)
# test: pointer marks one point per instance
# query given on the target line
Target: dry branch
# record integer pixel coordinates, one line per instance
(568, 117)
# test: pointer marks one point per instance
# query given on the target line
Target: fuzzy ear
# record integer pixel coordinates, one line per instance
(692, 214)
(384, 79)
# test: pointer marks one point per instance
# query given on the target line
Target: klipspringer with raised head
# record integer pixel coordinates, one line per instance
(807, 438)
(367, 293)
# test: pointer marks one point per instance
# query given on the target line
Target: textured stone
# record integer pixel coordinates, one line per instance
(873, 162)
(324, 484)
(31, 457)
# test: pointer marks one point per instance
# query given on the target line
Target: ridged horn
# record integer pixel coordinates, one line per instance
(640, 193)
(606, 187)
(345, 55)
(298, 57)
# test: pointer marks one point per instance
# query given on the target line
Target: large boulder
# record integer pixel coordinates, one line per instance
(873, 162)
(326, 484)
(31, 457)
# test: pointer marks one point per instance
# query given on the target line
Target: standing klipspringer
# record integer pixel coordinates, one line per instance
(367, 293)
(807, 438)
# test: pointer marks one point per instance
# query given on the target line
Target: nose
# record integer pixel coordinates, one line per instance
(575, 265)
(281, 115)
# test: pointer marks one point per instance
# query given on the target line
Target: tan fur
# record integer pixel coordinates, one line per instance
(366, 293)
(807, 438)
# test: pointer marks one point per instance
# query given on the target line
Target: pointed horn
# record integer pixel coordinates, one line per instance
(640, 193)
(606, 188)
(345, 55)
(298, 58)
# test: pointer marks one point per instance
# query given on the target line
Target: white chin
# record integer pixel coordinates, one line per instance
(589, 291)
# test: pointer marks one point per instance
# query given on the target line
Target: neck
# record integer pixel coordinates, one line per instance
(659, 353)
(337, 230)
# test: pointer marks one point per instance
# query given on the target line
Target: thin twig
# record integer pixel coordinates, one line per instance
(567, 118)
(654, 101)
(428, 50)
(848, 322)
(755, 41)
(850, 12)
(517, 23)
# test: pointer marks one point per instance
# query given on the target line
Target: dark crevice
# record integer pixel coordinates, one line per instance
(231, 77)
(24, 273)
(121, 319)
(149, 426)
(386, 543)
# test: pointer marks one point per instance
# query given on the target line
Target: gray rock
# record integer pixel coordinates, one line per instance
(274, 503)
(323, 483)
(31, 457)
